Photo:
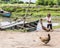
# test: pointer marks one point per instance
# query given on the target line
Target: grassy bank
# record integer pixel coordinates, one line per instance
(19, 10)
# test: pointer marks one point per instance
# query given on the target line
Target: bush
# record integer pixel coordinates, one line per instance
(14, 2)
(19, 10)
(20, 2)
(10, 9)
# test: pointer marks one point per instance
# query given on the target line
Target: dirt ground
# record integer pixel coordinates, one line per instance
(28, 39)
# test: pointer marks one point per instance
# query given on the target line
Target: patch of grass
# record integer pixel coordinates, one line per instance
(55, 27)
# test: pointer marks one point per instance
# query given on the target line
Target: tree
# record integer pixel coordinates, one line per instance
(5, 0)
(55, 2)
(48, 2)
(40, 2)
(20, 2)
(58, 2)
(45, 2)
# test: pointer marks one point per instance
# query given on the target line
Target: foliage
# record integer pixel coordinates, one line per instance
(20, 2)
(40, 2)
(11, 1)
(8, 8)
(18, 11)
(28, 2)
(48, 2)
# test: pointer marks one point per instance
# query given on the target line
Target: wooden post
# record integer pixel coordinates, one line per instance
(24, 18)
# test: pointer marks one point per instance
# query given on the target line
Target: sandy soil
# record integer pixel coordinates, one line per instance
(28, 40)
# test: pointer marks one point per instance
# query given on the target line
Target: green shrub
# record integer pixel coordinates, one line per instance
(18, 10)
(10, 9)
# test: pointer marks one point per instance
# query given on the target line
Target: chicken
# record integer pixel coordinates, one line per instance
(43, 27)
(45, 39)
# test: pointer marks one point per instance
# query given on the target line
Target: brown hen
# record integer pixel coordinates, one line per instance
(45, 39)
(43, 27)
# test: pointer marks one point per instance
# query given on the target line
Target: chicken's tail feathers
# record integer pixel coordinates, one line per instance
(49, 36)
